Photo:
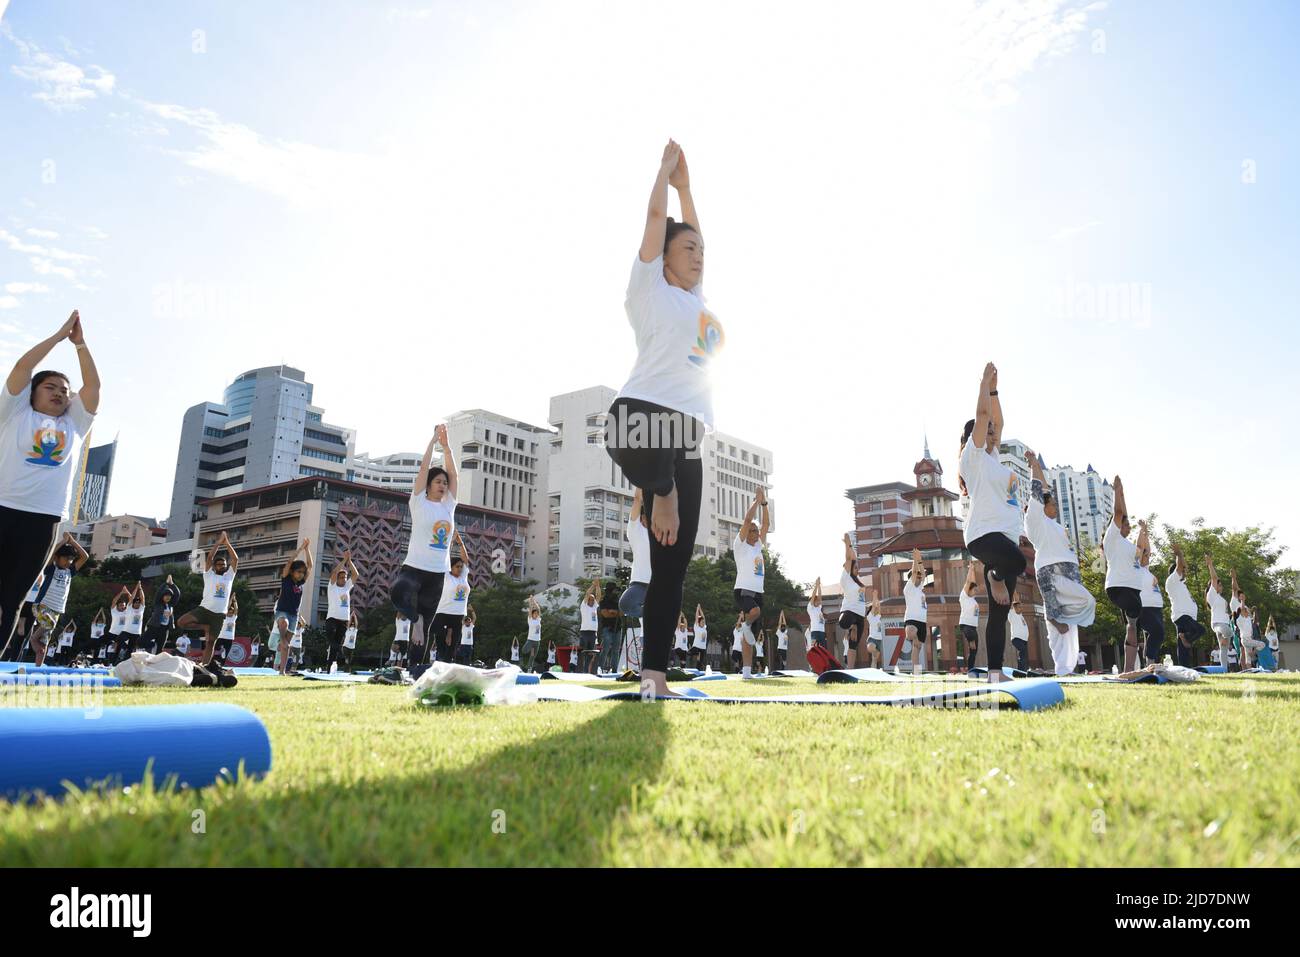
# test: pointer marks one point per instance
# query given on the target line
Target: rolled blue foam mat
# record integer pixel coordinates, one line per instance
(40, 748)
(9, 667)
(1212, 670)
(58, 680)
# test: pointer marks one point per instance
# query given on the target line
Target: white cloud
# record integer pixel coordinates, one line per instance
(45, 267)
(9, 302)
(42, 233)
(50, 252)
(25, 287)
(95, 233)
(299, 172)
(63, 85)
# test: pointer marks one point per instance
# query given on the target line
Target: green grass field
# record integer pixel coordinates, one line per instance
(1127, 776)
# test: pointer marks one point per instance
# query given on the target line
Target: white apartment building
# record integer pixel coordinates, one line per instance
(589, 501)
(397, 470)
(1087, 503)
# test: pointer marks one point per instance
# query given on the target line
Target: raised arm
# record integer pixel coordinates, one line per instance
(680, 180)
(1180, 563)
(971, 580)
(125, 592)
(1121, 504)
(422, 476)
(918, 567)
(761, 496)
(983, 407)
(89, 391)
(1214, 575)
(25, 367)
(352, 568)
(850, 561)
(1143, 541)
(817, 590)
(995, 412)
(781, 622)
(1035, 469)
(656, 217)
(99, 616)
(749, 513)
(305, 548)
(82, 555)
(448, 459)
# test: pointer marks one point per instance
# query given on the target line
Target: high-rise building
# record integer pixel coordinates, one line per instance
(589, 500)
(96, 474)
(264, 431)
(397, 470)
(878, 514)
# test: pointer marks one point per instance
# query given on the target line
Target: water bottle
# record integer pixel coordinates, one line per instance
(1114, 669)
(1169, 661)
(708, 669)
(334, 666)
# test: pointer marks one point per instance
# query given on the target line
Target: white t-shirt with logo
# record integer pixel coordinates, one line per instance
(228, 626)
(677, 339)
(855, 596)
(403, 630)
(782, 640)
(1152, 596)
(994, 495)
(433, 526)
(134, 624)
(514, 650)
(737, 639)
(39, 453)
(701, 636)
(970, 609)
(350, 638)
(639, 537)
(118, 621)
(340, 600)
(455, 594)
(681, 639)
(183, 644)
(816, 618)
(97, 631)
(588, 613)
(1019, 627)
(914, 599)
(65, 639)
(1180, 599)
(467, 635)
(1271, 638)
(1123, 570)
(749, 564)
(873, 627)
(534, 628)
(1218, 607)
(60, 582)
(1050, 540)
(216, 590)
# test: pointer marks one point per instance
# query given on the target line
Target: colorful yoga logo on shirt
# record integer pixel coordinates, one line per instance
(219, 590)
(1013, 491)
(709, 340)
(758, 567)
(461, 592)
(441, 535)
(48, 446)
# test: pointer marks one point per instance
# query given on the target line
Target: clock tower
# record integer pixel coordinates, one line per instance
(930, 497)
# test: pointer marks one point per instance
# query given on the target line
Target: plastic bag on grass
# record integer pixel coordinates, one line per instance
(446, 684)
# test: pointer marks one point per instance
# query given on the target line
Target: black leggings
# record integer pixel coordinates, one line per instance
(441, 625)
(26, 539)
(1152, 621)
(972, 636)
(416, 594)
(658, 449)
(1003, 561)
(1190, 629)
(334, 629)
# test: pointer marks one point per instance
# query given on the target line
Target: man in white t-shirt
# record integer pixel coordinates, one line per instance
(218, 587)
(916, 612)
(748, 548)
(339, 606)
(1220, 619)
(588, 625)
(1019, 635)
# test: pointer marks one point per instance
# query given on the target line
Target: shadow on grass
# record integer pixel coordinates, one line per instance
(542, 801)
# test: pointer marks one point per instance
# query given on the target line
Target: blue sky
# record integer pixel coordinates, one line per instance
(434, 206)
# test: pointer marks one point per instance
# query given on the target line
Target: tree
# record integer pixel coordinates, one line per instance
(125, 569)
(499, 610)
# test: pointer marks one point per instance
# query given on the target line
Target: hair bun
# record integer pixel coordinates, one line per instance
(671, 221)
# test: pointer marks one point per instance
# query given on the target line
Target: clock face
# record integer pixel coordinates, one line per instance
(925, 479)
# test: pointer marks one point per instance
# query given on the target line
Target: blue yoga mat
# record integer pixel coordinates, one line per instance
(1212, 670)
(9, 667)
(341, 677)
(1006, 670)
(40, 748)
(255, 672)
(526, 679)
(41, 680)
(1027, 694)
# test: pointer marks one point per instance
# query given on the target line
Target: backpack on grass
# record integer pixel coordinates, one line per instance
(819, 660)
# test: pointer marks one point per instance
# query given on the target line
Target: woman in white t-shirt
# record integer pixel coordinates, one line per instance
(450, 617)
(816, 617)
(853, 607)
(97, 629)
(1151, 622)
(750, 571)
(226, 637)
(350, 640)
(656, 424)
(737, 642)
(631, 604)
(700, 644)
(133, 626)
(681, 642)
(465, 654)
(43, 424)
(1220, 620)
(1067, 603)
(968, 625)
(782, 643)
(1182, 609)
(875, 633)
(338, 596)
(1124, 575)
(534, 639)
(916, 613)
(417, 589)
(760, 651)
(514, 651)
(993, 527)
